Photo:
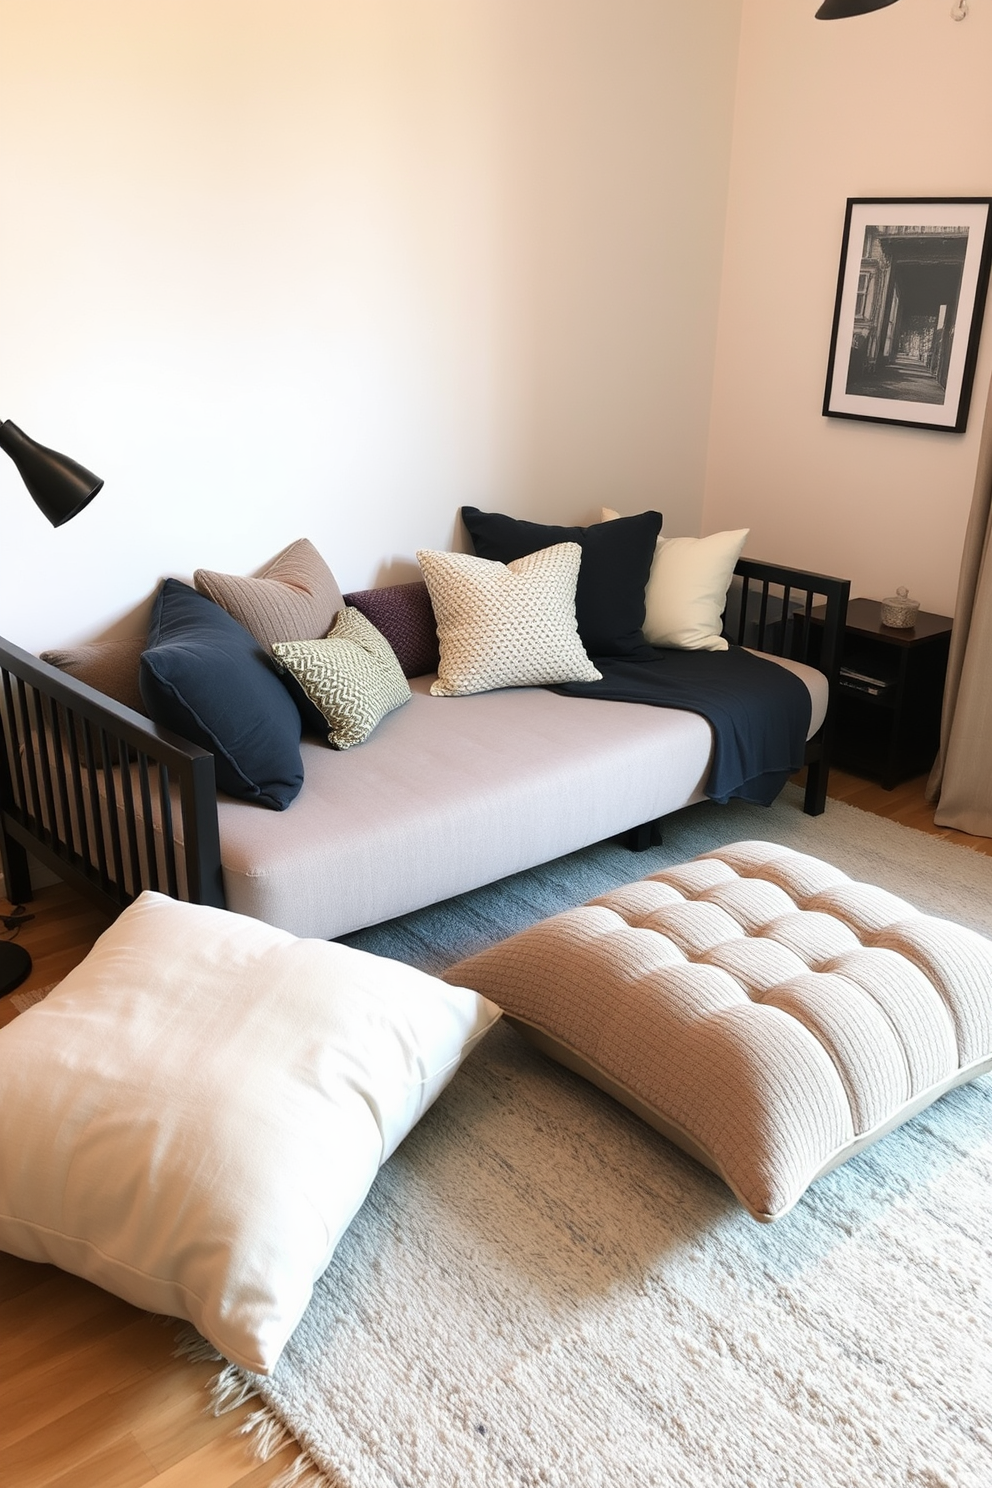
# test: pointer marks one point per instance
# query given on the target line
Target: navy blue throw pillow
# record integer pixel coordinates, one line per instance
(204, 676)
(613, 574)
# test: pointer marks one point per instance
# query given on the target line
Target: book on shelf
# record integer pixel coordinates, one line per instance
(855, 677)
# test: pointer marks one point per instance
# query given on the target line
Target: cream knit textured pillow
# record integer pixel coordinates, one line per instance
(506, 624)
(352, 676)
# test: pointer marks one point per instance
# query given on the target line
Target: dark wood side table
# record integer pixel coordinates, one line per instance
(887, 724)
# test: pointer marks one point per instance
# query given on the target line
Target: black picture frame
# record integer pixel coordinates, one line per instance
(914, 275)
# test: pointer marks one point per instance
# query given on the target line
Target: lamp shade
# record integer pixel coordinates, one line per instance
(838, 10)
(59, 486)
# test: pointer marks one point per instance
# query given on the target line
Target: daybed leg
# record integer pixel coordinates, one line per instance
(648, 834)
(815, 799)
(16, 876)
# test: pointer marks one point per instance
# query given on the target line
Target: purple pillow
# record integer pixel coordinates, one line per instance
(403, 613)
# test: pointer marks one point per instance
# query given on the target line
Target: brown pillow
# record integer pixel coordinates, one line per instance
(109, 666)
(295, 597)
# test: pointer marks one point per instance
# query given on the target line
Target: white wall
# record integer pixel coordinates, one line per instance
(332, 268)
(896, 103)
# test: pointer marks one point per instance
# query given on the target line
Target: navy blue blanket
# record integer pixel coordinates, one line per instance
(759, 711)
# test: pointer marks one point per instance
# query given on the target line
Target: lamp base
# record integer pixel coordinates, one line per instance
(15, 964)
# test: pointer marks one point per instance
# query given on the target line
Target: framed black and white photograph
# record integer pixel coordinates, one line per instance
(910, 300)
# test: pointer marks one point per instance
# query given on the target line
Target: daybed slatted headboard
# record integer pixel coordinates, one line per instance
(105, 799)
(800, 615)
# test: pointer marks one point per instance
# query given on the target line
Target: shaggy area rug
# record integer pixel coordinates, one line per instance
(540, 1292)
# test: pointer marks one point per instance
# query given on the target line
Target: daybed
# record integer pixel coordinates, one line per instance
(448, 794)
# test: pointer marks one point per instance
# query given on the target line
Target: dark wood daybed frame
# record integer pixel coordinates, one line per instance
(113, 804)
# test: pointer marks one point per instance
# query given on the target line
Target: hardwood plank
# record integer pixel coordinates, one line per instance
(92, 1358)
(905, 804)
(170, 1415)
(39, 1317)
(266, 1472)
(221, 1464)
(145, 1425)
(17, 1276)
(61, 933)
(32, 1465)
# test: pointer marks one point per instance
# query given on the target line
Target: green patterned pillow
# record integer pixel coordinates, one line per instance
(352, 676)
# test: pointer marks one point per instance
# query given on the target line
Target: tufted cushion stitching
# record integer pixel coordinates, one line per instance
(753, 903)
(946, 955)
(831, 1004)
(815, 938)
(859, 1038)
(918, 1014)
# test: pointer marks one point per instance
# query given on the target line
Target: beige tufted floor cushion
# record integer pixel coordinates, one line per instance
(766, 1012)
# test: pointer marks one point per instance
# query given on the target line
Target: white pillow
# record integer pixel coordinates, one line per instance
(506, 624)
(195, 1115)
(687, 588)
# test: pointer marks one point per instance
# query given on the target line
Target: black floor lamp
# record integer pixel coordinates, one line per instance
(61, 489)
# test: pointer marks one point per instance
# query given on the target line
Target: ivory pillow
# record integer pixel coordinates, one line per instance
(687, 588)
(506, 624)
(195, 1115)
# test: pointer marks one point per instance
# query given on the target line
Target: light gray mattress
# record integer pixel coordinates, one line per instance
(452, 793)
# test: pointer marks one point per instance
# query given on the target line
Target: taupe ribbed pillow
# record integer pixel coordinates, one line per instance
(506, 624)
(352, 677)
(293, 598)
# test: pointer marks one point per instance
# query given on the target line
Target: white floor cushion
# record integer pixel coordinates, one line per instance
(195, 1115)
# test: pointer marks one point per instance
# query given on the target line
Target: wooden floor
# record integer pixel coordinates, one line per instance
(90, 1395)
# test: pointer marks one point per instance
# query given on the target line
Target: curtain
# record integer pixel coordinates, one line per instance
(961, 780)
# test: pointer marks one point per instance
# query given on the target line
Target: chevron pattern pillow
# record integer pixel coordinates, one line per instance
(351, 677)
(506, 624)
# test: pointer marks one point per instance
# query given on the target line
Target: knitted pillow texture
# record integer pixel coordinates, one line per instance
(352, 677)
(294, 598)
(506, 624)
(402, 612)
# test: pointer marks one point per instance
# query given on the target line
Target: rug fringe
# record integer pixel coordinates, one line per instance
(192, 1346)
(302, 1473)
(231, 1388)
(265, 1433)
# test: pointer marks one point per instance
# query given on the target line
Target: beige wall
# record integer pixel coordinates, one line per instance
(331, 268)
(897, 103)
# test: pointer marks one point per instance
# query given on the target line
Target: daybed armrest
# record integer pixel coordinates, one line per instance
(788, 612)
(106, 799)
